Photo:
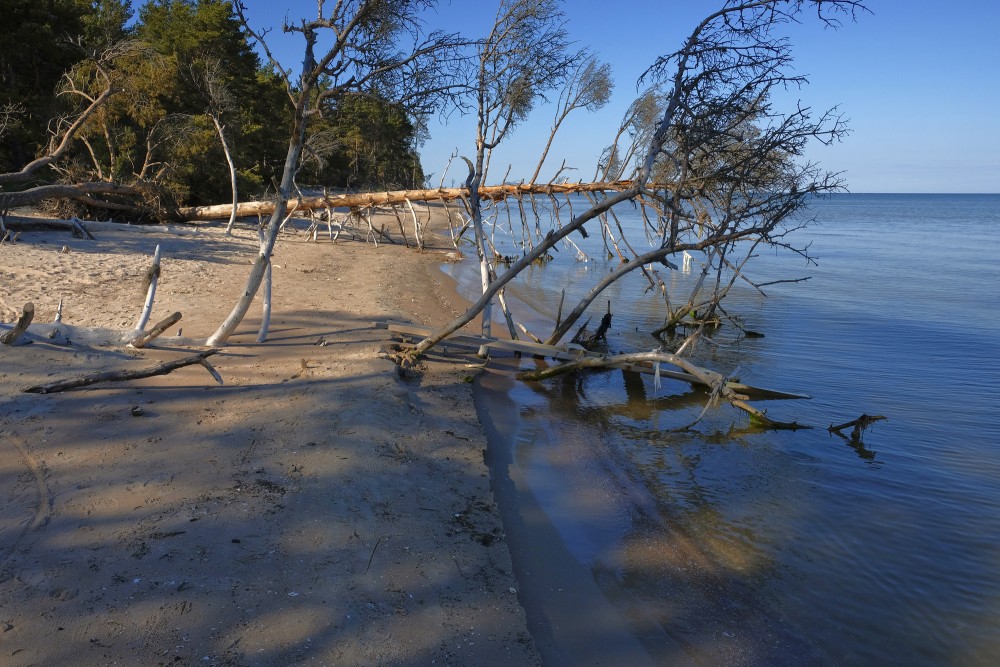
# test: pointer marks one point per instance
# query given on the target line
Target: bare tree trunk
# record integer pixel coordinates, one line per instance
(549, 241)
(400, 197)
(23, 322)
(153, 276)
(232, 170)
(260, 265)
(265, 317)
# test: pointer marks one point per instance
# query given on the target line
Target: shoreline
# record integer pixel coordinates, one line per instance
(316, 508)
(572, 621)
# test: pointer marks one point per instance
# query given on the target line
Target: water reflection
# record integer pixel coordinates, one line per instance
(734, 546)
(662, 554)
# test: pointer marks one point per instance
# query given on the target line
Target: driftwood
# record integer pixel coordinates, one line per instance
(151, 280)
(591, 340)
(21, 326)
(860, 425)
(716, 382)
(572, 352)
(124, 375)
(142, 339)
(577, 357)
(395, 197)
(30, 224)
(83, 192)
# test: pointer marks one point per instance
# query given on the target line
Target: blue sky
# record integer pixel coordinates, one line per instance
(919, 81)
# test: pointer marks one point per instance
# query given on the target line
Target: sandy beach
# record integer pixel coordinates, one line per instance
(318, 508)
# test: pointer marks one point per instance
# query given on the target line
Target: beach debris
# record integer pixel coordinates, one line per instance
(860, 425)
(27, 314)
(150, 279)
(124, 375)
(142, 338)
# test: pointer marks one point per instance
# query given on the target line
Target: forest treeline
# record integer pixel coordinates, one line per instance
(183, 74)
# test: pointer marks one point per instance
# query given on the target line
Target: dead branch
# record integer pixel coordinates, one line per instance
(398, 197)
(861, 424)
(61, 144)
(77, 191)
(762, 419)
(23, 322)
(716, 382)
(151, 278)
(142, 339)
(122, 375)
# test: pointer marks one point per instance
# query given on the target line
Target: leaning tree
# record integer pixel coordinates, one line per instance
(525, 54)
(376, 47)
(720, 172)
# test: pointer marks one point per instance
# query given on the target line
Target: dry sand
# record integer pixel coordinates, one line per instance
(316, 509)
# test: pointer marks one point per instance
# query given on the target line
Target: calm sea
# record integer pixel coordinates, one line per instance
(732, 546)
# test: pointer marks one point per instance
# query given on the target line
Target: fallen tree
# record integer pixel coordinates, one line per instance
(85, 193)
(715, 169)
(395, 198)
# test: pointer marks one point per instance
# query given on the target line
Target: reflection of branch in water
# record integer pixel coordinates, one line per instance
(861, 424)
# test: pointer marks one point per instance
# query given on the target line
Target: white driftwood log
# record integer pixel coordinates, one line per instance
(153, 276)
(143, 339)
(395, 197)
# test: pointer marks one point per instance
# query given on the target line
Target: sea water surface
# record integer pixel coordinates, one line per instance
(731, 546)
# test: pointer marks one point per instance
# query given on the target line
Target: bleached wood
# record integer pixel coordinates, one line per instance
(367, 199)
(23, 322)
(154, 276)
(161, 326)
(265, 318)
(573, 352)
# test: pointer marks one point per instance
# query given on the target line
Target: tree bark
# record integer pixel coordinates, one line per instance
(232, 170)
(152, 277)
(142, 339)
(77, 191)
(116, 376)
(394, 197)
(21, 326)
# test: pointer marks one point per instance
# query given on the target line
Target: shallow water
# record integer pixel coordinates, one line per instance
(737, 547)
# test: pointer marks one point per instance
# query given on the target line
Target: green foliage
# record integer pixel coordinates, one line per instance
(36, 48)
(184, 69)
(371, 145)
(214, 72)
